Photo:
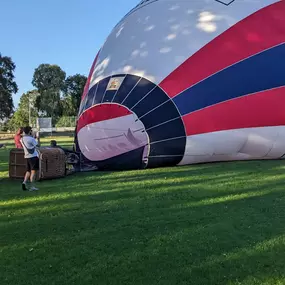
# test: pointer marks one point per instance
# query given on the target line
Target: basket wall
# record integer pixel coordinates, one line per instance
(52, 164)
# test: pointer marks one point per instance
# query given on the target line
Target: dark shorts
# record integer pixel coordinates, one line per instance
(32, 164)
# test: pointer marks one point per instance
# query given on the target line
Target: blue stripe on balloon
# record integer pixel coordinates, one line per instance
(263, 71)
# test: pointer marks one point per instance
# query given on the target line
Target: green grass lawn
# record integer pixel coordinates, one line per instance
(221, 223)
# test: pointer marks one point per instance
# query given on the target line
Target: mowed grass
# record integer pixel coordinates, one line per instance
(221, 223)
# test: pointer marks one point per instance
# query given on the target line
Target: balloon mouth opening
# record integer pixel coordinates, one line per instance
(113, 136)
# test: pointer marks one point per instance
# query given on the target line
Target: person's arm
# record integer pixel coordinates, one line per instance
(21, 143)
(36, 136)
(35, 143)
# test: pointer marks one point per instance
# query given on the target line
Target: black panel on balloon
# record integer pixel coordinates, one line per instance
(126, 161)
(142, 89)
(83, 103)
(170, 147)
(171, 129)
(160, 115)
(126, 87)
(101, 90)
(109, 95)
(90, 97)
(162, 161)
(153, 100)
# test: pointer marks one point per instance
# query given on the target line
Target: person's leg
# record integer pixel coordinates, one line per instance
(35, 168)
(33, 178)
(27, 175)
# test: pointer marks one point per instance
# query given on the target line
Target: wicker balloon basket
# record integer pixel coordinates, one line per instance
(52, 163)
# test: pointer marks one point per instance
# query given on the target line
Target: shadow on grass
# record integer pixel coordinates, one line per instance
(139, 241)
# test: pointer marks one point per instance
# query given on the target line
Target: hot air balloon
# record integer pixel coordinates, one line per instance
(181, 82)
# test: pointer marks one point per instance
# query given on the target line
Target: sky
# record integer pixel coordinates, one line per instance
(68, 33)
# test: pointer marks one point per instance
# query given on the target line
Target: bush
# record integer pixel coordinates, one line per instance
(66, 122)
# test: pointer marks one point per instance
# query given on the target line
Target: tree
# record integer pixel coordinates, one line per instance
(73, 90)
(21, 117)
(8, 86)
(49, 80)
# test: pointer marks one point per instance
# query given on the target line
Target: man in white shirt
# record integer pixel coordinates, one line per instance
(32, 157)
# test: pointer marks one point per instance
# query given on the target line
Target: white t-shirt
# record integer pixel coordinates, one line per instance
(30, 143)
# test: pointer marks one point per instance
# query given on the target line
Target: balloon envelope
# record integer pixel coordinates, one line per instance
(180, 82)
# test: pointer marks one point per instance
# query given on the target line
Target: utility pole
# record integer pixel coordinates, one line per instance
(29, 111)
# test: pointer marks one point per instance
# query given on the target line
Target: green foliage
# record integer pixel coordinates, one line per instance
(21, 116)
(73, 89)
(3, 126)
(7, 86)
(54, 95)
(49, 81)
(51, 84)
(48, 77)
(66, 122)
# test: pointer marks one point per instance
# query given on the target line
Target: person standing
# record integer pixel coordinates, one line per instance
(32, 159)
(17, 138)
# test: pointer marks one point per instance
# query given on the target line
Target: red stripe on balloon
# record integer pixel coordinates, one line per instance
(261, 30)
(86, 87)
(261, 109)
(100, 113)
